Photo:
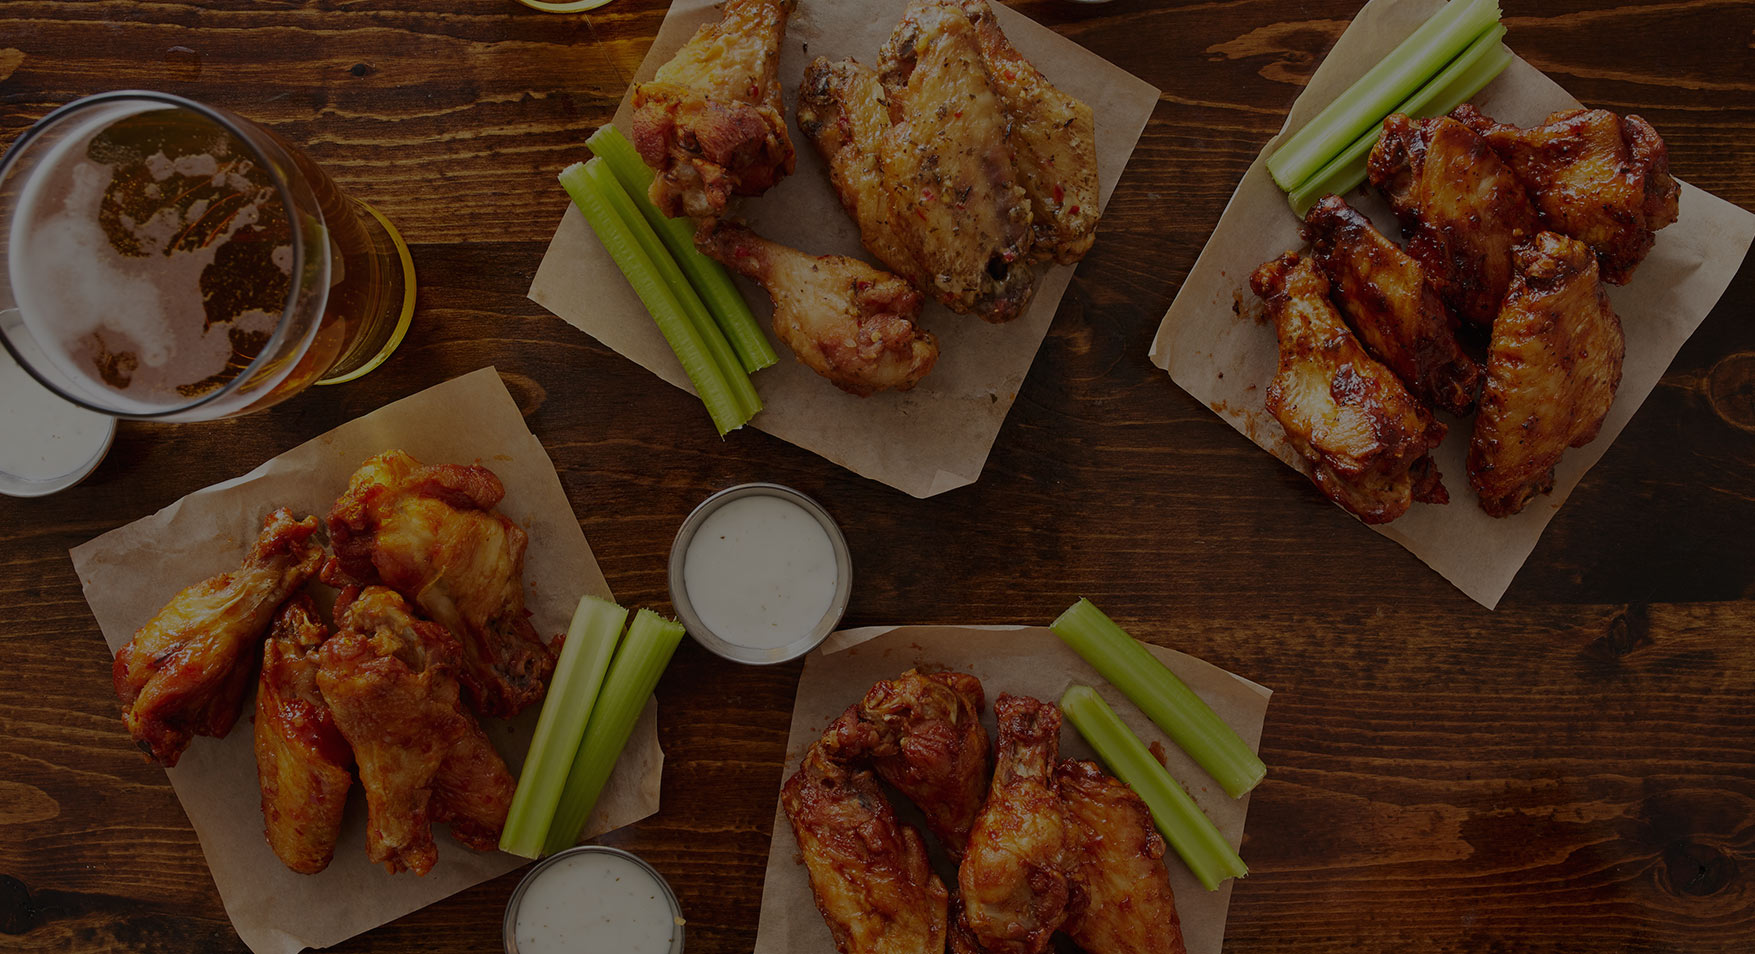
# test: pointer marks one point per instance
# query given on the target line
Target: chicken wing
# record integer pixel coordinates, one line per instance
(932, 747)
(1552, 370)
(712, 122)
(1392, 307)
(1595, 176)
(868, 870)
(1126, 905)
(185, 672)
(1460, 206)
(1014, 878)
(431, 534)
(1054, 143)
(845, 320)
(302, 762)
(1367, 438)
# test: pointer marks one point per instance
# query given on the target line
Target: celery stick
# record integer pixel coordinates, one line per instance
(715, 392)
(1375, 95)
(1165, 699)
(1185, 827)
(729, 366)
(1466, 75)
(644, 653)
(585, 655)
(710, 278)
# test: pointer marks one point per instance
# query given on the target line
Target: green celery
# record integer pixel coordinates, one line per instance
(585, 656)
(1185, 827)
(722, 404)
(1165, 699)
(644, 653)
(1466, 75)
(710, 278)
(1364, 104)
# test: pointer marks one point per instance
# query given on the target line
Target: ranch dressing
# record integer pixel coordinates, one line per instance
(760, 572)
(595, 903)
(44, 437)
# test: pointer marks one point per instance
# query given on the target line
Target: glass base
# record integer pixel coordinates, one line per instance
(403, 319)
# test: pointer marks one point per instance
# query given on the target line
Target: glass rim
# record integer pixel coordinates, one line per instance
(281, 187)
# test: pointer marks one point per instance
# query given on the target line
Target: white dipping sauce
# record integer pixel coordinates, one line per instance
(42, 435)
(760, 572)
(594, 902)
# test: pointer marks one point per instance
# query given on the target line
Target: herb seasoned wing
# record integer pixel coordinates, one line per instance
(303, 764)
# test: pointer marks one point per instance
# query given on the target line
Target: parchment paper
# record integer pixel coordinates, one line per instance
(130, 572)
(1023, 661)
(925, 441)
(1215, 348)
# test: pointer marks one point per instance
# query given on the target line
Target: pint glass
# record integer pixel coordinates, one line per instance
(173, 261)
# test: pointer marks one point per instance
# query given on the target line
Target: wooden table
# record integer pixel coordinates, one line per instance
(1574, 772)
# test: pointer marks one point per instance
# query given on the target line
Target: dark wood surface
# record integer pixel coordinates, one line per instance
(1574, 772)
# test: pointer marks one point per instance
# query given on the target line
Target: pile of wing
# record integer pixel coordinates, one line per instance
(430, 629)
(1041, 845)
(964, 168)
(1496, 305)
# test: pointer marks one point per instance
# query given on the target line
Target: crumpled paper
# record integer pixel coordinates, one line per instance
(130, 572)
(1021, 660)
(1213, 346)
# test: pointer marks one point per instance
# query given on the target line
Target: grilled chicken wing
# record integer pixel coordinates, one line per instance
(1552, 370)
(185, 672)
(712, 122)
(1392, 307)
(1125, 903)
(1595, 176)
(302, 762)
(868, 870)
(431, 534)
(1366, 436)
(1054, 143)
(845, 320)
(931, 746)
(1014, 878)
(1460, 206)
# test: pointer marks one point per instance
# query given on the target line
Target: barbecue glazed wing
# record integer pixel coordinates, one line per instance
(1552, 370)
(1392, 307)
(1014, 879)
(932, 748)
(1460, 206)
(845, 320)
(1365, 435)
(431, 534)
(711, 122)
(185, 672)
(1595, 176)
(1054, 143)
(1126, 903)
(302, 762)
(868, 870)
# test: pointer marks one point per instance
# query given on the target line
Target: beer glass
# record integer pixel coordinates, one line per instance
(173, 261)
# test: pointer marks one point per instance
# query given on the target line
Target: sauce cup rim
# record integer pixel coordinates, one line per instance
(509, 926)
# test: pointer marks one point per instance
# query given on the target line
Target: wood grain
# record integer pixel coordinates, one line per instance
(1572, 773)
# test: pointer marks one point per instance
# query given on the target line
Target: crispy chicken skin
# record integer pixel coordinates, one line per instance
(711, 122)
(1392, 307)
(1124, 903)
(1054, 143)
(868, 870)
(186, 671)
(1460, 206)
(1552, 370)
(431, 534)
(1365, 435)
(931, 746)
(1014, 878)
(302, 762)
(1595, 176)
(849, 322)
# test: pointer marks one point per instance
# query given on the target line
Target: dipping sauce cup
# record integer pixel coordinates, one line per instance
(760, 573)
(592, 899)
